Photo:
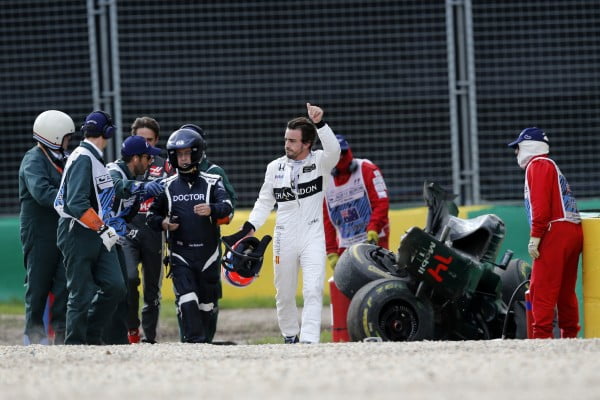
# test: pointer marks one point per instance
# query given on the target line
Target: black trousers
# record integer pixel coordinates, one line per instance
(144, 248)
(196, 293)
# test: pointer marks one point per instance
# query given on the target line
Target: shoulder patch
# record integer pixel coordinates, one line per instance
(155, 170)
(309, 168)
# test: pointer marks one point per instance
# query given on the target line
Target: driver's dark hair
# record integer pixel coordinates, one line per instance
(145, 122)
(308, 129)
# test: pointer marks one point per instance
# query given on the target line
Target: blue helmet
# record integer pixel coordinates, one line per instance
(184, 139)
(196, 128)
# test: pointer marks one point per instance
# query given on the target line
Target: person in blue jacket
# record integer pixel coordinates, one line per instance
(189, 210)
(136, 157)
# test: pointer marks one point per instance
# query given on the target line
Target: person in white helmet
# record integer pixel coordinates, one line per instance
(39, 178)
(296, 183)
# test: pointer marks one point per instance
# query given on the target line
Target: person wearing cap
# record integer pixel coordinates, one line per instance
(136, 157)
(144, 246)
(556, 236)
(85, 237)
(356, 205)
(39, 178)
(210, 167)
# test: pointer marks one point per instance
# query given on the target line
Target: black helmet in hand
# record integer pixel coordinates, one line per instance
(242, 261)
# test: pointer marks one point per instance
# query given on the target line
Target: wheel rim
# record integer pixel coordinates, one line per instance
(398, 322)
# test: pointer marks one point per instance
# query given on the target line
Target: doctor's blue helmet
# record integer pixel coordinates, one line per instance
(184, 139)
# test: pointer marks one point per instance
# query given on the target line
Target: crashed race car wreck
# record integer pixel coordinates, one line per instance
(442, 284)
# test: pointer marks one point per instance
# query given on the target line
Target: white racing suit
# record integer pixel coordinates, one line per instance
(299, 238)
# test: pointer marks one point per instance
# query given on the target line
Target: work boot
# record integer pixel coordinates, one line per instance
(59, 338)
(133, 335)
(95, 341)
(290, 339)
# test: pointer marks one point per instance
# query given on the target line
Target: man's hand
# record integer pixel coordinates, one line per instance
(247, 230)
(534, 243)
(136, 187)
(167, 225)
(332, 259)
(372, 237)
(109, 236)
(202, 209)
(154, 188)
(118, 224)
(314, 113)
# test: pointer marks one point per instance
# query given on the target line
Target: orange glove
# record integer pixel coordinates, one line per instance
(91, 219)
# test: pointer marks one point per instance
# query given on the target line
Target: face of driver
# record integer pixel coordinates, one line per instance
(295, 149)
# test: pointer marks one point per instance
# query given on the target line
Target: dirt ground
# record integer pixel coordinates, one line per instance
(468, 370)
(490, 370)
(241, 326)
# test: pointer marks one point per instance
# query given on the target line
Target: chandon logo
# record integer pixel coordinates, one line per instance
(188, 197)
(305, 189)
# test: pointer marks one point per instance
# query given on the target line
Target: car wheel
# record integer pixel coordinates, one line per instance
(516, 272)
(362, 263)
(387, 309)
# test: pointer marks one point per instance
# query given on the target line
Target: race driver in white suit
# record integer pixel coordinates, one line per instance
(296, 183)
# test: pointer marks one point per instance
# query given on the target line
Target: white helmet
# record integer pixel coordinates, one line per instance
(50, 127)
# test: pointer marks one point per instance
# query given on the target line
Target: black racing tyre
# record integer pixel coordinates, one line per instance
(362, 263)
(516, 272)
(386, 308)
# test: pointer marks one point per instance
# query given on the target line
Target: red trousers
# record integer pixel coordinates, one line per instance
(553, 281)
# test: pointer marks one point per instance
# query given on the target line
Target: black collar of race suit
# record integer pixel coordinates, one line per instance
(190, 174)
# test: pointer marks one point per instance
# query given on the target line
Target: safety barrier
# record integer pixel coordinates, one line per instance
(12, 272)
(591, 274)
